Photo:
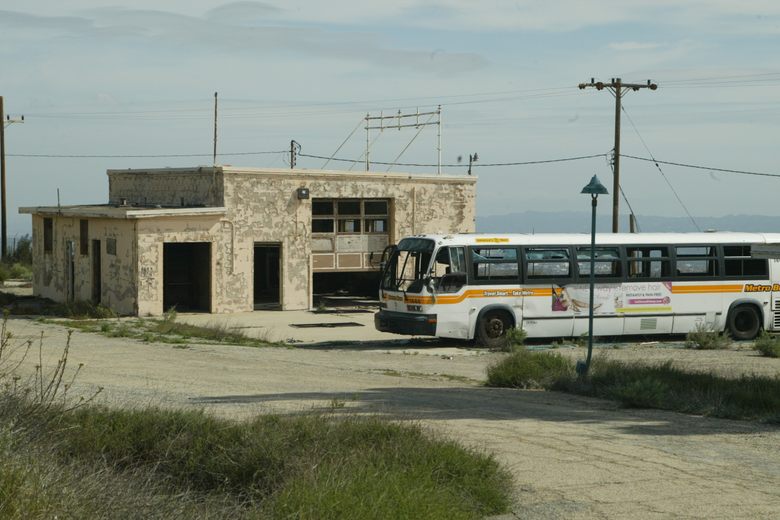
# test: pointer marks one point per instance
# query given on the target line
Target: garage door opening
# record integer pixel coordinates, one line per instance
(346, 289)
(267, 276)
(187, 276)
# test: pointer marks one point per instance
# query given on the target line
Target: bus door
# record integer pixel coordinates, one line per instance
(547, 310)
(448, 286)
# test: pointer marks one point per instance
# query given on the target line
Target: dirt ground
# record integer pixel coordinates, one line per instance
(571, 457)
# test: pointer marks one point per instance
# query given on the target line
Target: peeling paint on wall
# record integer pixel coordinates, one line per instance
(261, 206)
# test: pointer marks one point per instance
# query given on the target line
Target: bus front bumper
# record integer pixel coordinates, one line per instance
(405, 323)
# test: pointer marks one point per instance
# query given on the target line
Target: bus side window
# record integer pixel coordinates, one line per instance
(449, 269)
(738, 263)
(494, 264)
(547, 263)
(648, 262)
(696, 261)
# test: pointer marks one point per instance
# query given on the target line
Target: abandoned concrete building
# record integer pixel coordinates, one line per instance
(226, 239)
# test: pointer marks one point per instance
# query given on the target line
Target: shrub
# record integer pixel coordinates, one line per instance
(646, 392)
(515, 338)
(768, 345)
(524, 369)
(706, 337)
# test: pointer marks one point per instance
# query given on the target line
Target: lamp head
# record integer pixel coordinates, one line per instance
(595, 188)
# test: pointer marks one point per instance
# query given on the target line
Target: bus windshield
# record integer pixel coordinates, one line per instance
(408, 265)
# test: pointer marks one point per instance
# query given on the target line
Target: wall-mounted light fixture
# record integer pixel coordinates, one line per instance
(303, 193)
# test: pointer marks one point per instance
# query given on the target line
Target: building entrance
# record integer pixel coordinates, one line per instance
(267, 294)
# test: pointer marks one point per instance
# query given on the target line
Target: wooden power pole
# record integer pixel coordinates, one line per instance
(4, 121)
(617, 87)
(3, 226)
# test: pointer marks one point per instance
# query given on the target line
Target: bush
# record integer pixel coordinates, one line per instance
(515, 338)
(768, 345)
(706, 337)
(645, 392)
(524, 369)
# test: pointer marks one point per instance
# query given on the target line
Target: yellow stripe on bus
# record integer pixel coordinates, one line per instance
(542, 291)
(702, 289)
(479, 293)
(628, 310)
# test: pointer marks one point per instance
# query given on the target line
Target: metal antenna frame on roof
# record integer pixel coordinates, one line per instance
(400, 122)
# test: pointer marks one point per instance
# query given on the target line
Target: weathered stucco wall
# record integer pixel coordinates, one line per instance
(153, 233)
(167, 188)
(51, 277)
(263, 207)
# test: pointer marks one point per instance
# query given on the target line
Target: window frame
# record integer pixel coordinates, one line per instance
(712, 274)
(742, 259)
(647, 260)
(555, 280)
(472, 275)
(84, 237)
(48, 235)
(620, 260)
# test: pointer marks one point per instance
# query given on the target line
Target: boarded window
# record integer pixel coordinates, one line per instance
(48, 235)
(84, 236)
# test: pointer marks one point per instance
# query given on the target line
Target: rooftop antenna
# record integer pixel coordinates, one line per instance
(402, 120)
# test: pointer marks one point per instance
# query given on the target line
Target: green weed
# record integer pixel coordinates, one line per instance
(706, 337)
(768, 345)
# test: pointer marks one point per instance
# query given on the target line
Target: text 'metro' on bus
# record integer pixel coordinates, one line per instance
(478, 286)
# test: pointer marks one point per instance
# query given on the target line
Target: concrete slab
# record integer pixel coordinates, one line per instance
(317, 327)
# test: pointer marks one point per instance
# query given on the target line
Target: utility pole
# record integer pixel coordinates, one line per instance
(617, 87)
(4, 121)
(214, 160)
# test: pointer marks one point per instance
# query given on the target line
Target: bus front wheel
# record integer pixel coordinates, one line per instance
(744, 322)
(491, 329)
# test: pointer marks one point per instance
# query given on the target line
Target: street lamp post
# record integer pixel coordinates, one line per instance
(594, 188)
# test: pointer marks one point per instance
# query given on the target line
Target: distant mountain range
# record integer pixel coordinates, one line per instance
(579, 222)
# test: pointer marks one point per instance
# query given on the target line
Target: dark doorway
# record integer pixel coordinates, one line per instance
(345, 288)
(266, 278)
(97, 286)
(187, 276)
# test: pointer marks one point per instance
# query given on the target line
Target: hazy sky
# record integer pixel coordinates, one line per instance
(138, 78)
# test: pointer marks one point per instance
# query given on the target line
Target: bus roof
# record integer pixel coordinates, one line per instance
(715, 237)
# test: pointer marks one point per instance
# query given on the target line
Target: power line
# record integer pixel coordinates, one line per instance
(135, 156)
(420, 165)
(668, 183)
(699, 167)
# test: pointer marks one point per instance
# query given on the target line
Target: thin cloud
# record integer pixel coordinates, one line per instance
(633, 46)
(217, 31)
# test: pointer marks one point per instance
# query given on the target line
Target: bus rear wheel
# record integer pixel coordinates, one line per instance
(744, 322)
(491, 329)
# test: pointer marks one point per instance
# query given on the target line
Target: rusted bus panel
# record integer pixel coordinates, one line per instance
(54, 278)
(173, 187)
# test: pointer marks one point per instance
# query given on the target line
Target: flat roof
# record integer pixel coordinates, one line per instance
(305, 173)
(121, 212)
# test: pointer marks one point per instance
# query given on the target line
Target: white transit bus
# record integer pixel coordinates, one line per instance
(479, 285)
